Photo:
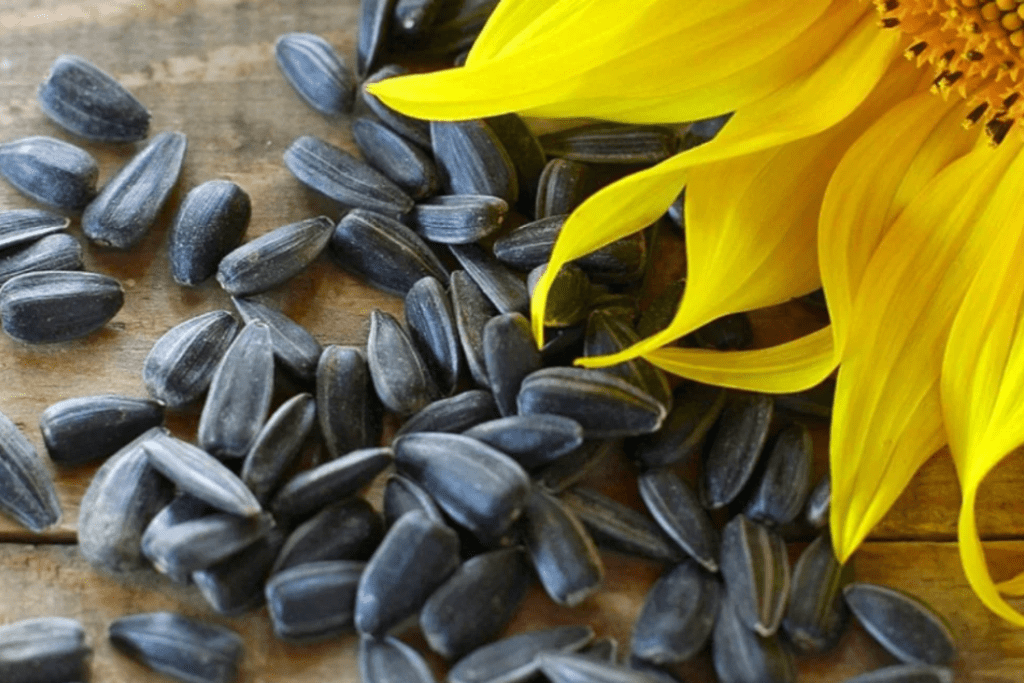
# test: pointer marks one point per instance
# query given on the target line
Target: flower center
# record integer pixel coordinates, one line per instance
(975, 45)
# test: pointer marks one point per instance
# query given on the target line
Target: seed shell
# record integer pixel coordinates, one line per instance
(574, 668)
(510, 355)
(312, 66)
(472, 311)
(389, 660)
(177, 646)
(348, 529)
(505, 290)
(309, 491)
(53, 252)
(234, 585)
(210, 223)
(742, 656)
(400, 377)
(514, 659)
(416, 131)
(184, 508)
(27, 494)
(196, 544)
(523, 148)
(608, 334)
(568, 299)
(374, 27)
(472, 160)
(431, 322)
(51, 306)
(43, 650)
(179, 367)
(573, 467)
(293, 345)
(402, 495)
(459, 219)
(314, 601)
(20, 226)
(695, 409)
(817, 613)
(453, 415)
(906, 673)
(531, 440)
(678, 512)
(901, 623)
(405, 164)
(678, 615)
(819, 502)
(274, 257)
(50, 171)
(612, 143)
(742, 430)
(786, 480)
(78, 430)
(755, 568)
(348, 410)
(562, 186)
(277, 446)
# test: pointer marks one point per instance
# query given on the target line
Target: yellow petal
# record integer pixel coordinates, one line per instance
(887, 418)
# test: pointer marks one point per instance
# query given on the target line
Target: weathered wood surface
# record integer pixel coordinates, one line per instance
(206, 67)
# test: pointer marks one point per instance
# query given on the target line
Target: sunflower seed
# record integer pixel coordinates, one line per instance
(338, 175)
(88, 102)
(755, 568)
(573, 467)
(505, 290)
(619, 527)
(50, 171)
(817, 614)
(415, 17)
(480, 488)
(531, 440)
(382, 251)
(189, 546)
(345, 530)
(605, 406)
(177, 646)
(742, 656)
(459, 219)
(728, 333)
(901, 623)
(43, 650)
(389, 660)
(293, 345)
(616, 304)
(676, 211)
(563, 554)
(472, 311)
(311, 66)
(49, 306)
(568, 297)
(514, 659)
(563, 185)
(123, 497)
(27, 494)
(455, 29)
(414, 130)
(695, 409)
(196, 472)
(53, 252)
(453, 415)
(819, 502)
(399, 375)
(786, 480)
(476, 602)
(704, 130)
(660, 312)
(572, 668)
(184, 508)
(510, 354)
(607, 335)
(179, 367)
(678, 615)
(605, 649)
(562, 345)
(612, 143)
(348, 410)
(274, 257)
(906, 673)
(814, 403)
(374, 26)
(311, 490)
(402, 495)
(209, 224)
(277, 445)
(234, 585)
(431, 322)
(472, 160)
(416, 556)
(677, 511)
(523, 149)
(405, 164)
(20, 226)
(313, 601)
(735, 449)
(128, 204)
(79, 430)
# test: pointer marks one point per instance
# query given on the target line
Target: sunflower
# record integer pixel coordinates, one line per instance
(846, 166)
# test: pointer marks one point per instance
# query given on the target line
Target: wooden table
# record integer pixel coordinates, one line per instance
(206, 67)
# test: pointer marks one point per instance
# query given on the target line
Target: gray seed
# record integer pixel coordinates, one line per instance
(568, 300)
(190, 546)
(196, 472)
(234, 585)
(817, 613)
(814, 403)
(612, 143)
(210, 223)
(123, 497)
(402, 495)
(472, 311)
(274, 257)
(309, 491)
(293, 345)
(459, 219)
(531, 440)
(455, 29)
(389, 660)
(415, 557)
(575, 668)
(26, 487)
(53, 252)
(50, 171)
(346, 530)
(128, 204)
(50, 306)
(742, 430)
(277, 446)
(340, 176)
(314, 601)
(755, 568)
(480, 488)
(19, 226)
(43, 650)
(476, 602)
(678, 615)
(564, 556)
(695, 409)
(318, 74)
(177, 646)
(179, 367)
(184, 508)
(415, 17)
(573, 467)
(605, 649)
(563, 185)
(742, 656)
(472, 160)
(382, 251)
(431, 322)
(906, 673)
(510, 354)
(505, 290)
(905, 626)
(453, 415)
(786, 481)
(405, 164)
(399, 375)
(819, 503)
(348, 410)
(90, 103)
(676, 212)
(524, 149)
(514, 659)
(416, 131)
(605, 406)
(374, 27)
(608, 334)
(678, 512)
(78, 430)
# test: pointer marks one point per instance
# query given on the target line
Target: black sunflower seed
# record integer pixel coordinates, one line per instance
(678, 615)
(78, 430)
(905, 626)
(472, 160)
(53, 252)
(404, 163)
(180, 647)
(347, 408)
(313, 601)
(755, 568)
(293, 345)
(612, 143)
(209, 224)
(514, 659)
(817, 613)
(278, 445)
(786, 481)
(318, 74)
(274, 257)
(510, 355)
(348, 529)
(453, 415)
(50, 306)
(50, 171)
(43, 650)
(307, 492)
(20, 226)
(678, 512)
(431, 322)
(742, 430)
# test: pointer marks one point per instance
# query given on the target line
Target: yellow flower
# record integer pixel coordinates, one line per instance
(845, 166)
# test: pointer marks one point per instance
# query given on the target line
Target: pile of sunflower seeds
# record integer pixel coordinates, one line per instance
(483, 490)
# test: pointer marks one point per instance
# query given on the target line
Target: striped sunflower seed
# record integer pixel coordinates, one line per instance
(128, 204)
(53, 252)
(389, 660)
(819, 502)
(416, 131)
(415, 17)
(472, 160)
(404, 163)
(573, 467)
(612, 143)
(569, 668)
(50, 171)
(278, 445)
(374, 27)
(568, 301)
(786, 481)
(459, 218)
(901, 623)
(608, 334)
(293, 345)
(347, 408)
(179, 367)
(817, 613)
(234, 585)
(742, 656)
(20, 226)
(274, 257)
(678, 512)
(906, 673)
(309, 491)
(562, 186)
(314, 601)
(678, 615)
(210, 223)
(431, 322)
(510, 355)
(27, 494)
(400, 377)
(472, 311)
(695, 409)
(505, 290)
(50, 306)
(531, 440)
(348, 529)
(177, 646)
(453, 415)
(88, 102)
(755, 568)
(402, 495)
(184, 508)
(514, 659)
(455, 29)
(735, 450)
(524, 149)
(181, 549)
(44, 649)
(606, 649)
(316, 71)
(78, 430)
